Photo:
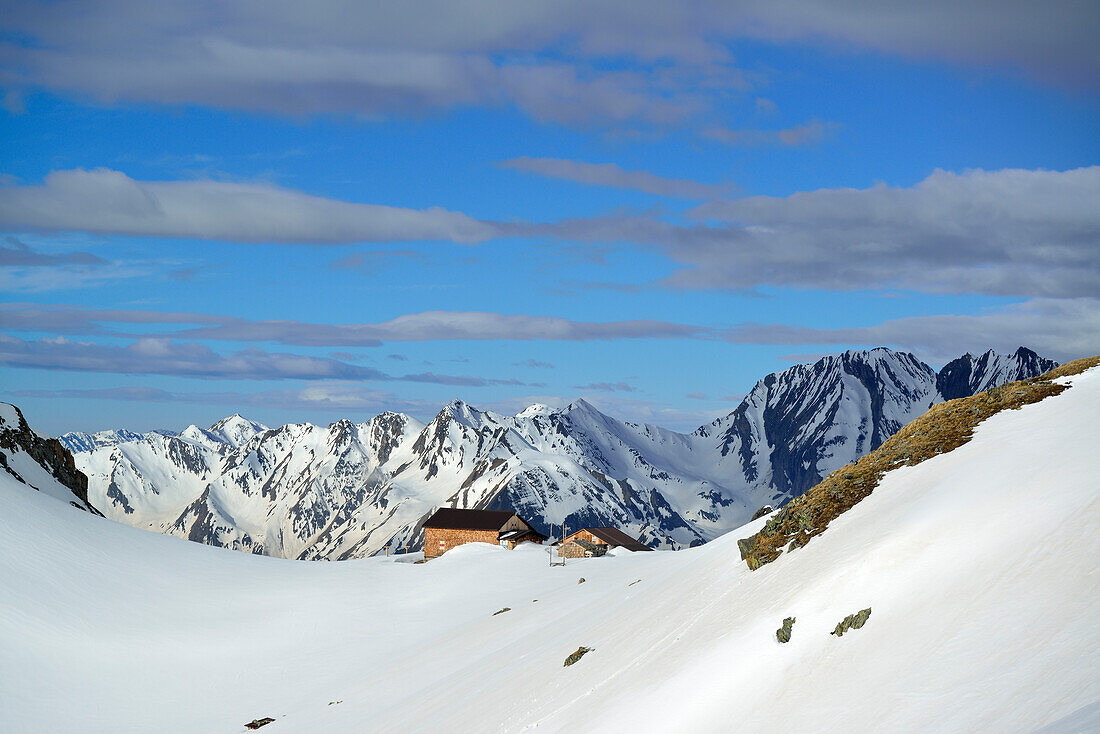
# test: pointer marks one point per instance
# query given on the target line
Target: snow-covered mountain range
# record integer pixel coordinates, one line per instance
(350, 489)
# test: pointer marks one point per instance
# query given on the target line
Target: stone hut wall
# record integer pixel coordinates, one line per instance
(575, 550)
(571, 550)
(438, 541)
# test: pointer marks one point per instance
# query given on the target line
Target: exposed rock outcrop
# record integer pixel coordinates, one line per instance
(18, 439)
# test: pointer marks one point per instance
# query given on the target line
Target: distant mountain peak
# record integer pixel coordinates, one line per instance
(968, 375)
(535, 409)
(235, 430)
(580, 405)
(464, 414)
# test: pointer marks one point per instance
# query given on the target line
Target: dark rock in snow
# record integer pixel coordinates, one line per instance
(257, 723)
(765, 510)
(783, 634)
(580, 653)
(852, 622)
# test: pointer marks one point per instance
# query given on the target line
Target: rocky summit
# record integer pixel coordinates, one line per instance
(39, 462)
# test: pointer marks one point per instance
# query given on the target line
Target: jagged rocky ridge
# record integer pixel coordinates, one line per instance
(796, 426)
(40, 462)
(348, 490)
(944, 428)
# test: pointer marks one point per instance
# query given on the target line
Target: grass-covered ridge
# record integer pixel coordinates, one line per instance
(943, 428)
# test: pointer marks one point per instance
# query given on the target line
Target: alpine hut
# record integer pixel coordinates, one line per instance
(590, 542)
(450, 527)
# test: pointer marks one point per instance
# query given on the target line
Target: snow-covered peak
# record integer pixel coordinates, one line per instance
(797, 425)
(581, 409)
(464, 413)
(535, 409)
(79, 441)
(969, 375)
(194, 434)
(9, 416)
(236, 430)
(232, 431)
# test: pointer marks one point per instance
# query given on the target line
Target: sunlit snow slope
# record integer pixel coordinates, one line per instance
(979, 566)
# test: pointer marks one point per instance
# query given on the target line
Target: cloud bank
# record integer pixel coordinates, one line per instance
(320, 396)
(110, 202)
(419, 327)
(1062, 328)
(377, 58)
(1022, 233)
(614, 176)
(164, 356)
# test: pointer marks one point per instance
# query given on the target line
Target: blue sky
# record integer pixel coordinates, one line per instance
(307, 218)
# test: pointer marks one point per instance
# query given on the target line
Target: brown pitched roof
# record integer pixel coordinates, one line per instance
(583, 544)
(614, 536)
(449, 518)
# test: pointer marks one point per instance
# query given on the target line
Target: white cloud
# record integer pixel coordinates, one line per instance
(165, 356)
(1006, 233)
(110, 202)
(1062, 329)
(380, 58)
(30, 269)
(321, 397)
(425, 326)
(810, 133)
(612, 175)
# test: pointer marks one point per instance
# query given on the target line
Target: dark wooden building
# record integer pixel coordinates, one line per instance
(590, 542)
(450, 527)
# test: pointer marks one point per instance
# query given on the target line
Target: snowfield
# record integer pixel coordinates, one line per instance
(979, 567)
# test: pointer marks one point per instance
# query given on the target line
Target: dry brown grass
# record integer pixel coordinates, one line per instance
(943, 428)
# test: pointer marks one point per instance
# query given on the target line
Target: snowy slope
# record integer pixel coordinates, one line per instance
(348, 490)
(979, 621)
